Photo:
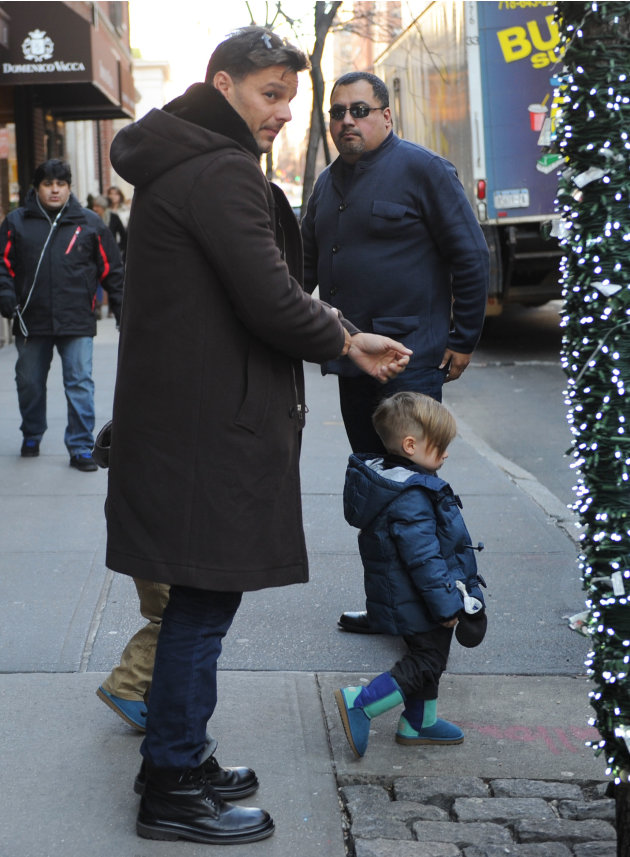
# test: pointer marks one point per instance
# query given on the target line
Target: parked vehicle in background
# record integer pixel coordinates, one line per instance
(474, 82)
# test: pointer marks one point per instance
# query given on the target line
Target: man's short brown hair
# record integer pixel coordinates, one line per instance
(414, 414)
(251, 48)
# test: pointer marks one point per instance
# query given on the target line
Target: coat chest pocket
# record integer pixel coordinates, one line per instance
(404, 328)
(389, 218)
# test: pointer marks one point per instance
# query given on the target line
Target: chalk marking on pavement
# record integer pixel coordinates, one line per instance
(556, 739)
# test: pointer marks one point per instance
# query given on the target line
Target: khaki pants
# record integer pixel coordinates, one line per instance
(131, 679)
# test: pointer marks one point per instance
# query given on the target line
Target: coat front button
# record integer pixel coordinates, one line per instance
(333, 291)
(335, 248)
(343, 206)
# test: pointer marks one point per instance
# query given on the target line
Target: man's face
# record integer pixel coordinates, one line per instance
(351, 136)
(261, 99)
(53, 193)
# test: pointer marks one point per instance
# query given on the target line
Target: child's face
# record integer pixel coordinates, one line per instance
(416, 449)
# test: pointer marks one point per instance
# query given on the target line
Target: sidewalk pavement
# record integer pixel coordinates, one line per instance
(522, 783)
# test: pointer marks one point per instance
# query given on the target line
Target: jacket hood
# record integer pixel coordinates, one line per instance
(199, 121)
(371, 485)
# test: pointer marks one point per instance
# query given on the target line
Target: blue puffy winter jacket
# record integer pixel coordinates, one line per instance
(413, 542)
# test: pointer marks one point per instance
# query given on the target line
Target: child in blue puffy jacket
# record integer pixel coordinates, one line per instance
(421, 578)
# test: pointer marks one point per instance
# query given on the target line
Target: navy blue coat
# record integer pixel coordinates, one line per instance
(399, 251)
(412, 543)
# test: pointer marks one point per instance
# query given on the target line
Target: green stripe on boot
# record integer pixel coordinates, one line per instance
(357, 706)
(419, 724)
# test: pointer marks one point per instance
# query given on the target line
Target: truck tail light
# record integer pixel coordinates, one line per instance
(481, 189)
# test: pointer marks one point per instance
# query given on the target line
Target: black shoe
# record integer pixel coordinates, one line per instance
(229, 783)
(30, 449)
(83, 461)
(356, 623)
(181, 804)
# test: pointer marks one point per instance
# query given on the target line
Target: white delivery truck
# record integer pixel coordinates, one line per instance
(474, 82)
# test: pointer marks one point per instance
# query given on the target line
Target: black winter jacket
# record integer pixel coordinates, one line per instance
(81, 255)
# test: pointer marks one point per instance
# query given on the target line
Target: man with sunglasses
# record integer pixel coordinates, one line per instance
(391, 240)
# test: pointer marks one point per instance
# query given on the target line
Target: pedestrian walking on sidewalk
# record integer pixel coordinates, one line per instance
(392, 241)
(126, 689)
(421, 577)
(54, 254)
(100, 204)
(204, 489)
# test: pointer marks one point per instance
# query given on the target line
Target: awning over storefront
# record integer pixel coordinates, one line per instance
(78, 70)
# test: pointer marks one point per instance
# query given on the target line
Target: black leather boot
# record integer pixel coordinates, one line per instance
(182, 804)
(356, 622)
(229, 783)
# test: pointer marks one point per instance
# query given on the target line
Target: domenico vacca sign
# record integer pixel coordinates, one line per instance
(39, 49)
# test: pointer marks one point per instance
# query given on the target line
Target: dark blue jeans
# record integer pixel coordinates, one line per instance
(359, 397)
(184, 688)
(31, 374)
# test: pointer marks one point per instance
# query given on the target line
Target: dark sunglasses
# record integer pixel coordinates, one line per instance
(357, 111)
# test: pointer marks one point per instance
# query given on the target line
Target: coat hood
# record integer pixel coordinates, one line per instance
(199, 121)
(372, 483)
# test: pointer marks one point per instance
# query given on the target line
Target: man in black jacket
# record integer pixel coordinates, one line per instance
(53, 256)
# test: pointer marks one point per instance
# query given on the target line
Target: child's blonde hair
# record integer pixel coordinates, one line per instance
(414, 414)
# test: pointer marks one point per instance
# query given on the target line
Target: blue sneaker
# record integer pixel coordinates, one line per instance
(83, 461)
(132, 712)
(30, 448)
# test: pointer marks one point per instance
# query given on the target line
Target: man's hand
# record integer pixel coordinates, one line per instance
(456, 364)
(379, 356)
(8, 305)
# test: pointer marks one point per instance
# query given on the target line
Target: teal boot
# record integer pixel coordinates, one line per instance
(357, 706)
(419, 724)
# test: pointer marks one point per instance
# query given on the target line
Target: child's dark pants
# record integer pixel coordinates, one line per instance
(418, 672)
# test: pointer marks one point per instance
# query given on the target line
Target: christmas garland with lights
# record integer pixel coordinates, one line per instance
(592, 134)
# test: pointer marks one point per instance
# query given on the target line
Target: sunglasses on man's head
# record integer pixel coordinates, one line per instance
(357, 111)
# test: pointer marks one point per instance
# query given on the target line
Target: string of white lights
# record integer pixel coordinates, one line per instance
(593, 97)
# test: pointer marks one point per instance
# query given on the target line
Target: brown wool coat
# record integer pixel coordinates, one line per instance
(204, 486)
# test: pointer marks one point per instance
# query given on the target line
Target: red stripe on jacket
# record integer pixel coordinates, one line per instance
(72, 240)
(106, 265)
(5, 255)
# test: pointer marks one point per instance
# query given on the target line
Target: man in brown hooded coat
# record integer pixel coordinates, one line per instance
(204, 489)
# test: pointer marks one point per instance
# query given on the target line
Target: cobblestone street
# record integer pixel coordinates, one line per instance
(472, 817)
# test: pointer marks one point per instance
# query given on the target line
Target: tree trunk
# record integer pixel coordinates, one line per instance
(317, 131)
(622, 818)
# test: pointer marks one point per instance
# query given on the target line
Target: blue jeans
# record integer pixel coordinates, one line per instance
(184, 688)
(31, 374)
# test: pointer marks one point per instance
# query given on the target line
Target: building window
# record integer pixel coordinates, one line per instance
(4, 29)
(116, 16)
